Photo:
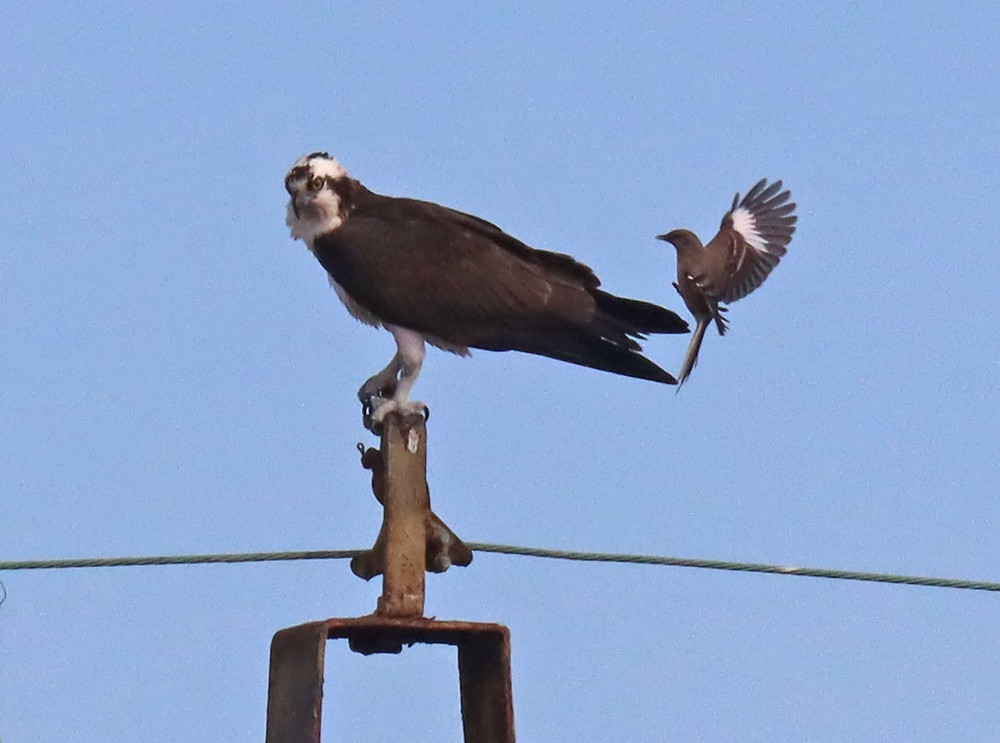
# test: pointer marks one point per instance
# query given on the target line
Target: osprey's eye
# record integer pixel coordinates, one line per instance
(315, 183)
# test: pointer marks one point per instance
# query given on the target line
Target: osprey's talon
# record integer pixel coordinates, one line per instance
(377, 388)
(370, 405)
(366, 404)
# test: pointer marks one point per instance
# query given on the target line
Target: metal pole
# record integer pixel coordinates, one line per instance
(407, 504)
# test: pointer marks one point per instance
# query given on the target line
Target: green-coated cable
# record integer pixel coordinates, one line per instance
(744, 567)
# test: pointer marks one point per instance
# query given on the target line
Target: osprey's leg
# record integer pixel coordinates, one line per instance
(410, 355)
(383, 384)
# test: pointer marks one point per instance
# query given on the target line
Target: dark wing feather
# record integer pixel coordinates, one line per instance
(402, 210)
(457, 278)
(753, 237)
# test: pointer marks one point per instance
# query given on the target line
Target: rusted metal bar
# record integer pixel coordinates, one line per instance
(295, 693)
(407, 503)
(485, 681)
(295, 684)
(442, 548)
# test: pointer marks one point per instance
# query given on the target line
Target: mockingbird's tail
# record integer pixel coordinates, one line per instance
(692, 353)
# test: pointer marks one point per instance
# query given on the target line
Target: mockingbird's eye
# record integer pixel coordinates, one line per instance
(315, 183)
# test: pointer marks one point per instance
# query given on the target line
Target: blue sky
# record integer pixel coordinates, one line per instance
(176, 376)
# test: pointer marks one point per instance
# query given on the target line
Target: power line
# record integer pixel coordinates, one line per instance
(130, 562)
(742, 567)
(683, 562)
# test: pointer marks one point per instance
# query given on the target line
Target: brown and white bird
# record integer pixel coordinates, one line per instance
(430, 274)
(754, 235)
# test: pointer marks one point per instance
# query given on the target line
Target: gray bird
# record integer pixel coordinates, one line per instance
(754, 235)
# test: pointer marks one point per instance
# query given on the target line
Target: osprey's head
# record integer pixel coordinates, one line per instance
(317, 186)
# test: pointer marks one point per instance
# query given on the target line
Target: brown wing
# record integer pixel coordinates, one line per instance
(754, 235)
(447, 281)
(462, 280)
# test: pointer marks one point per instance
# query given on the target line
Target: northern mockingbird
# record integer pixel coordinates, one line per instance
(753, 237)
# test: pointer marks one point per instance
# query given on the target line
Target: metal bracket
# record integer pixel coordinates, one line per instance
(295, 689)
(409, 526)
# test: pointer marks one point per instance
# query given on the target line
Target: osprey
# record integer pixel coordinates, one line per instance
(754, 235)
(429, 274)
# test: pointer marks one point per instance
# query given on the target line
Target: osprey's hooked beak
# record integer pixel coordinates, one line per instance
(291, 195)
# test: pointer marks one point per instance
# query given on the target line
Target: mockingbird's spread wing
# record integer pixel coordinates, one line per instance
(753, 237)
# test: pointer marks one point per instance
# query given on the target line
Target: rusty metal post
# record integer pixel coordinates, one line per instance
(295, 684)
(411, 540)
(442, 549)
(485, 684)
(407, 503)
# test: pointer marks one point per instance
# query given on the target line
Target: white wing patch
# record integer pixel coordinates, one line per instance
(745, 223)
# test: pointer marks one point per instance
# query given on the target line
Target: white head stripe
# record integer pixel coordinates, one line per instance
(323, 166)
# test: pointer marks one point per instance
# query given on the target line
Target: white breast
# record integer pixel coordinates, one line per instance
(357, 311)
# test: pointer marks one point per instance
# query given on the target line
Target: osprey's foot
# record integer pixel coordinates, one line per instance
(409, 407)
(375, 408)
(381, 386)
